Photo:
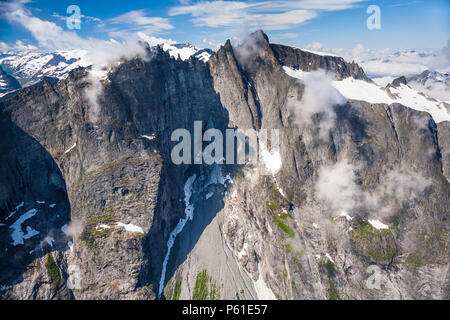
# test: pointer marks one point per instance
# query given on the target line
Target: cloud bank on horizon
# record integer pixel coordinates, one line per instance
(209, 23)
(391, 63)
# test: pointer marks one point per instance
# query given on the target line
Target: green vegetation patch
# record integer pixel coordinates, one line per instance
(382, 254)
(332, 292)
(176, 292)
(240, 295)
(52, 271)
(201, 286)
(277, 206)
(363, 234)
(106, 168)
(214, 292)
(363, 224)
(374, 245)
(205, 288)
(284, 227)
(276, 203)
(91, 233)
(327, 266)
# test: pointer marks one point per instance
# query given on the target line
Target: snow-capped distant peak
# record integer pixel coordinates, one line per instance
(433, 83)
(29, 68)
(203, 55)
(370, 92)
(182, 50)
(185, 50)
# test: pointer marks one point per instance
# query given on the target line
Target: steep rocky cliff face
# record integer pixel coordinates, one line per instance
(92, 206)
(307, 61)
(444, 142)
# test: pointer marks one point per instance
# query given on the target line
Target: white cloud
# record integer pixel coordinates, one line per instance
(385, 62)
(319, 97)
(47, 33)
(139, 18)
(337, 188)
(83, 18)
(154, 41)
(20, 46)
(74, 229)
(328, 5)
(269, 15)
(102, 56)
(17, 47)
(51, 36)
(246, 48)
(4, 47)
(212, 44)
(127, 25)
(391, 68)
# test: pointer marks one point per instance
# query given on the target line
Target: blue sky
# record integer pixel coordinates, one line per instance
(405, 24)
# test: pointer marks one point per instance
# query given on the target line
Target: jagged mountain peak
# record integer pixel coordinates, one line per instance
(299, 59)
(398, 81)
(90, 190)
(429, 75)
(434, 84)
(259, 35)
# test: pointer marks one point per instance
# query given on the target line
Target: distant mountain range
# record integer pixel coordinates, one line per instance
(432, 83)
(30, 67)
(7, 83)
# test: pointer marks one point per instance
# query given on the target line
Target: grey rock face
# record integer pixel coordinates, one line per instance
(7, 82)
(444, 143)
(252, 235)
(397, 82)
(33, 200)
(307, 61)
(108, 164)
(291, 256)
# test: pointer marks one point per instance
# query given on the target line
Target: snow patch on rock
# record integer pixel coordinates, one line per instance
(68, 150)
(262, 290)
(377, 224)
(189, 215)
(18, 236)
(129, 227)
(362, 90)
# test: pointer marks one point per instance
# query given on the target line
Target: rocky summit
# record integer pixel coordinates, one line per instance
(354, 204)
